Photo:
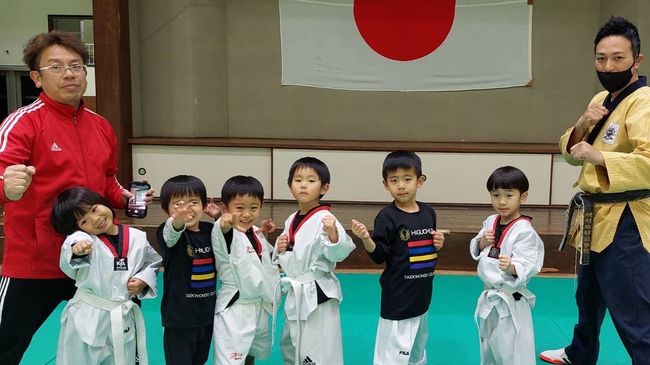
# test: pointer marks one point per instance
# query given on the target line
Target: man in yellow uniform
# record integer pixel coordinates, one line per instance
(611, 141)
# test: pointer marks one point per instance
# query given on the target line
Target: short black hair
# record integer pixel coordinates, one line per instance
(401, 159)
(507, 177)
(181, 185)
(310, 162)
(617, 25)
(240, 185)
(71, 205)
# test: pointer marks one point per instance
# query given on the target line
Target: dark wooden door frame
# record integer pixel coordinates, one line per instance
(113, 75)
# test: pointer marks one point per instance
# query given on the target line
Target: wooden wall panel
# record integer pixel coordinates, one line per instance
(113, 74)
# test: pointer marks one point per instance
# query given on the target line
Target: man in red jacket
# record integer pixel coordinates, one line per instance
(45, 147)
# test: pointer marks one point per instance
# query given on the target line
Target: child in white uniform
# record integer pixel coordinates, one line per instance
(110, 264)
(247, 276)
(312, 242)
(509, 253)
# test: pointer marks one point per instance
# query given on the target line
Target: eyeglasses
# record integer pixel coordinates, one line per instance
(58, 69)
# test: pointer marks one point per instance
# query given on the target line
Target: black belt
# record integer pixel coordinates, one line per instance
(585, 202)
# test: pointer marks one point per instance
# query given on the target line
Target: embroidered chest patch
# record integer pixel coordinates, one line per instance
(610, 133)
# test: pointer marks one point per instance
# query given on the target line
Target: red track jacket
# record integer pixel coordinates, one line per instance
(68, 147)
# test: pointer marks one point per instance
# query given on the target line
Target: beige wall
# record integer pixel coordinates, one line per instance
(212, 68)
(452, 178)
(213, 165)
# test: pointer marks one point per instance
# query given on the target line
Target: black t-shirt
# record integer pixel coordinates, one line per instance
(405, 243)
(189, 287)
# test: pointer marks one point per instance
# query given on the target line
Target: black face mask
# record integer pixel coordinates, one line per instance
(615, 81)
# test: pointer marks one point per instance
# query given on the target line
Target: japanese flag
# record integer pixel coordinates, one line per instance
(406, 45)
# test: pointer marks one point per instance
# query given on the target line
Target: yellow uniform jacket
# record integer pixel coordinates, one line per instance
(624, 142)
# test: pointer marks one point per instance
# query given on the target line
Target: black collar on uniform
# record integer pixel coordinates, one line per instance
(612, 104)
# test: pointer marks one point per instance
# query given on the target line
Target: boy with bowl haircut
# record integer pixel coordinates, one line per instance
(509, 253)
(189, 278)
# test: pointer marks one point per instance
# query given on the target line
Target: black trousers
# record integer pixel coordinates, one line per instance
(187, 346)
(617, 279)
(24, 305)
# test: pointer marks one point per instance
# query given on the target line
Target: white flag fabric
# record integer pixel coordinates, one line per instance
(406, 45)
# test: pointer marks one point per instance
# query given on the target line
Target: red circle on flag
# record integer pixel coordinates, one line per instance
(404, 30)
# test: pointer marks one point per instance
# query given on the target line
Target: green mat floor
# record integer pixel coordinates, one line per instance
(452, 340)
